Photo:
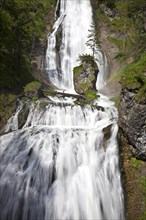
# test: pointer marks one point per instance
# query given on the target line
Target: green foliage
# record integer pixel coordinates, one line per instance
(34, 98)
(121, 56)
(118, 42)
(141, 95)
(143, 188)
(102, 17)
(135, 163)
(80, 102)
(87, 58)
(143, 217)
(22, 24)
(78, 69)
(91, 95)
(32, 86)
(91, 42)
(133, 77)
(7, 107)
(136, 7)
(143, 184)
(109, 3)
(127, 27)
(122, 8)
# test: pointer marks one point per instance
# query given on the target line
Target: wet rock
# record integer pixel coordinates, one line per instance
(132, 120)
(23, 114)
(107, 135)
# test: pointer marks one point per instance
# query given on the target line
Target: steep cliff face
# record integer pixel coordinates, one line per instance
(132, 120)
(132, 109)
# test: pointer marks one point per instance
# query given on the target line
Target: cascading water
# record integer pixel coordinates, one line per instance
(63, 164)
(73, 23)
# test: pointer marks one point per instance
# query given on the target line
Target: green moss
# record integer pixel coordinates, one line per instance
(143, 217)
(143, 188)
(141, 95)
(49, 93)
(131, 81)
(122, 8)
(32, 86)
(135, 163)
(78, 69)
(124, 37)
(121, 56)
(102, 17)
(91, 95)
(80, 102)
(118, 42)
(84, 86)
(34, 98)
(139, 167)
(7, 107)
(143, 184)
(133, 78)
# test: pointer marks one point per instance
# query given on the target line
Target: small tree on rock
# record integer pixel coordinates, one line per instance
(91, 42)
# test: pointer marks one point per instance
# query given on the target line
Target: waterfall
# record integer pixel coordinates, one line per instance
(73, 24)
(63, 162)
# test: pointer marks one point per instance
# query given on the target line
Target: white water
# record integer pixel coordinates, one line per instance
(74, 21)
(61, 165)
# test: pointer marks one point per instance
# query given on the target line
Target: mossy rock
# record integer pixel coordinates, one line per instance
(23, 114)
(85, 74)
(78, 69)
(32, 89)
(7, 108)
(91, 95)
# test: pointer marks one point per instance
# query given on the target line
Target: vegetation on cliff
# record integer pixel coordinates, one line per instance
(22, 27)
(126, 21)
(22, 24)
(133, 78)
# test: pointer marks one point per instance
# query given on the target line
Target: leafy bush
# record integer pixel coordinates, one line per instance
(91, 95)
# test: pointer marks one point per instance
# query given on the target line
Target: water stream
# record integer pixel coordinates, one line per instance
(63, 163)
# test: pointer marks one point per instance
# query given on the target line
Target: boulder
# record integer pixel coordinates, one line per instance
(85, 75)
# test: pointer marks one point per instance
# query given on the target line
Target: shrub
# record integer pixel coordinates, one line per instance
(32, 86)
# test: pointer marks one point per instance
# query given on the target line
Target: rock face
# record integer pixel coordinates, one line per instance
(39, 50)
(132, 121)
